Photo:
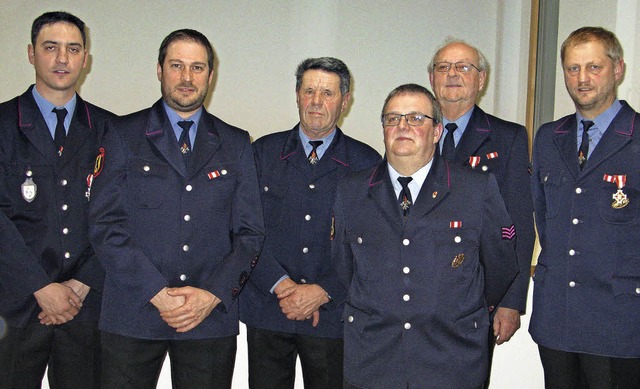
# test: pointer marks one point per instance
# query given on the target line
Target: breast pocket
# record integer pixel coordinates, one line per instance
(220, 182)
(457, 255)
(147, 183)
(27, 186)
(272, 194)
(551, 183)
(363, 248)
(618, 206)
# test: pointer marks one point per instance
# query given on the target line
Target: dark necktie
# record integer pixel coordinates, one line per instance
(313, 155)
(185, 141)
(583, 152)
(60, 135)
(405, 194)
(449, 146)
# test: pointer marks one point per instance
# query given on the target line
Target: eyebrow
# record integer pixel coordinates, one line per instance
(58, 43)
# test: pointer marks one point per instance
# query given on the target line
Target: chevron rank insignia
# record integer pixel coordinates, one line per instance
(508, 233)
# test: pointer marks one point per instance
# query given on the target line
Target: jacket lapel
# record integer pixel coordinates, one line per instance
(207, 143)
(614, 138)
(477, 133)
(79, 132)
(566, 142)
(434, 189)
(161, 136)
(381, 190)
(33, 126)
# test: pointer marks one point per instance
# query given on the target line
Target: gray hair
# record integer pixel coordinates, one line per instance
(327, 64)
(483, 64)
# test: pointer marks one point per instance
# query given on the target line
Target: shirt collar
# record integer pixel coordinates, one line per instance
(326, 142)
(415, 185)
(46, 109)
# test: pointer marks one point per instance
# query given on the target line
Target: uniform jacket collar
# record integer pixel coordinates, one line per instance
(35, 129)
(618, 134)
(334, 158)
(434, 189)
(160, 134)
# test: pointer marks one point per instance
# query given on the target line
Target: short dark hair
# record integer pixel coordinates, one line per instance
(415, 89)
(589, 34)
(327, 64)
(186, 35)
(57, 17)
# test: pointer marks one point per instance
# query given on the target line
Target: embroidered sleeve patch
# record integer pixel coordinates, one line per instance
(508, 233)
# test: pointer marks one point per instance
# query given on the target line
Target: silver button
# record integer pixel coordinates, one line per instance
(187, 218)
(359, 240)
(312, 186)
(406, 270)
(572, 252)
(29, 173)
(67, 255)
(457, 239)
(189, 188)
(63, 182)
(303, 280)
(485, 168)
(185, 248)
(183, 277)
(307, 217)
(65, 207)
(266, 188)
(572, 284)
(146, 168)
(224, 172)
(578, 190)
(65, 230)
(305, 250)
(407, 326)
(406, 242)
(406, 297)
(350, 319)
(575, 221)
(637, 290)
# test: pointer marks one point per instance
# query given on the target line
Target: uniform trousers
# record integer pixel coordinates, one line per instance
(568, 370)
(71, 351)
(272, 360)
(133, 363)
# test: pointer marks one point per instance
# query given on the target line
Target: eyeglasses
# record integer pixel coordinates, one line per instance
(413, 118)
(461, 67)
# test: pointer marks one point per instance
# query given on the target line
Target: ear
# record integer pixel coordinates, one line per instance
(431, 80)
(345, 100)
(86, 57)
(437, 133)
(159, 71)
(30, 53)
(618, 70)
(482, 77)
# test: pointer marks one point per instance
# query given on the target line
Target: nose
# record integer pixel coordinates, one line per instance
(186, 74)
(316, 99)
(583, 75)
(63, 56)
(403, 124)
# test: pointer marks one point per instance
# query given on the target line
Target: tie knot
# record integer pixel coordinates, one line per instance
(451, 127)
(404, 181)
(61, 113)
(587, 124)
(315, 143)
(185, 124)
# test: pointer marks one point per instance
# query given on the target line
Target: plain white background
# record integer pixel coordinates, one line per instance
(258, 44)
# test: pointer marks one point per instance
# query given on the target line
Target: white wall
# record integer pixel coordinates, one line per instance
(258, 45)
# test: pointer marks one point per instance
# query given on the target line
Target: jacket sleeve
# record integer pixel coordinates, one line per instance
(497, 245)
(247, 233)
(517, 197)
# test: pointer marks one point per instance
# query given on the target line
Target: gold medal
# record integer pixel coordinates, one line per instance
(620, 200)
(457, 260)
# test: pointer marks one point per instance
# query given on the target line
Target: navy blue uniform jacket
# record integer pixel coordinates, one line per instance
(586, 295)
(297, 201)
(46, 240)
(156, 225)
(419, 291)
(486, 134)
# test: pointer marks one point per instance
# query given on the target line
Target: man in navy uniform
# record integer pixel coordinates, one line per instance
(426, 250)
(177, 223)
(475, 139)
(586, 192)
(50, 278)
(288, 303)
